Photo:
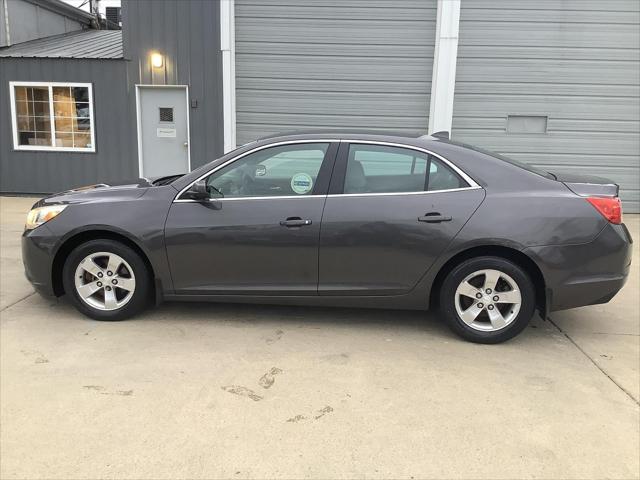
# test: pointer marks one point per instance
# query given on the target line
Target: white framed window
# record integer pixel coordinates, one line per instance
(52, 116)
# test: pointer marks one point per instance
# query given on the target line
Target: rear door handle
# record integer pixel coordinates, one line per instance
(434, 217)
(295, 222)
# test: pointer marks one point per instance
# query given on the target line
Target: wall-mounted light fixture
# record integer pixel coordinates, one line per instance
(157, 60)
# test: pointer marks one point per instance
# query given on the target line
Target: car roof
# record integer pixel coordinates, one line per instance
(467, 157)
(479, 166)
(351, 134)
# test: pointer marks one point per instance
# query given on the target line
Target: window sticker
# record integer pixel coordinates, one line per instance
(261, 170)
(301, 183)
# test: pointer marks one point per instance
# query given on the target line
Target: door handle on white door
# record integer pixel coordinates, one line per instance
(186, 144)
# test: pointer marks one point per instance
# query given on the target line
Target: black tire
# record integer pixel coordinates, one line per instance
(141, 294)
(468, 267)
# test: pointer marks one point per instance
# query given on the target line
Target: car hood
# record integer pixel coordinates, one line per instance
(99, 192)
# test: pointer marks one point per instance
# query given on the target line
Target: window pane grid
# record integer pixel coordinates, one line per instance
(53, 117)
(33, 122)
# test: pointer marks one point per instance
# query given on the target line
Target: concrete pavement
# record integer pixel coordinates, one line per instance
(228, 391)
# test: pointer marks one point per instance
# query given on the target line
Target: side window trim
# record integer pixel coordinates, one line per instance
(324, 175)
(427, 173)
(326, 169)
(336, 187)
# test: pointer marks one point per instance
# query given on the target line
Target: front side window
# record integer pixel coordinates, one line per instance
(386, 169)
(288, 170)
(52, 116)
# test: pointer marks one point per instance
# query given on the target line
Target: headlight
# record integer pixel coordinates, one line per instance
(38, 216)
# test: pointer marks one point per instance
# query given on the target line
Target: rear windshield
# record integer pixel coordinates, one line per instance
(517, 163)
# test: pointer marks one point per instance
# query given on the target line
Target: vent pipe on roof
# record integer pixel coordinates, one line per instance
(94, 9)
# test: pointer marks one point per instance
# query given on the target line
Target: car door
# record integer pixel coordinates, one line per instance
(390, 212)
(257, 231)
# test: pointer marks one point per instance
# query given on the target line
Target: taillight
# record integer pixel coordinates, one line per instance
(609, 207)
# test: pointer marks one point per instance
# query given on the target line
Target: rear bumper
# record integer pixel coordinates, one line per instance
(585, 274)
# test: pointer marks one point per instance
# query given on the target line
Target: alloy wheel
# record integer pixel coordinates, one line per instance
(488, 300)
(105, 281)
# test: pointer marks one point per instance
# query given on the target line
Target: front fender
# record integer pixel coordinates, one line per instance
(139, 220)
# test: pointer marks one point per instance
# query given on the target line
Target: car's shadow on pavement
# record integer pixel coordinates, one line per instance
(330, 319)
(428, 323)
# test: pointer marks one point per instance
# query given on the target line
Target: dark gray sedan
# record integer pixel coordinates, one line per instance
(339, 219)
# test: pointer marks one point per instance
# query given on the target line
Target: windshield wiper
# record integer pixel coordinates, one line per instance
(165, 180)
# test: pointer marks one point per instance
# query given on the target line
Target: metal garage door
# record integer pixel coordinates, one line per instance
(333, 63)
(553, 83)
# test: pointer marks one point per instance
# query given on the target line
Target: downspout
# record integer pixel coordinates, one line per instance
(5, 5)
(444, 66)
(228, 48)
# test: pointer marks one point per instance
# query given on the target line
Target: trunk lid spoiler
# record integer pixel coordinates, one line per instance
(589, 185)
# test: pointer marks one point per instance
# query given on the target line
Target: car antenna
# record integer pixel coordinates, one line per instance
(443, 134)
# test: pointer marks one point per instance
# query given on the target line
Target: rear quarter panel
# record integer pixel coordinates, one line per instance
(521, 210)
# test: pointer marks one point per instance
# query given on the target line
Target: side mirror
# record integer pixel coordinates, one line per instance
(198, 192)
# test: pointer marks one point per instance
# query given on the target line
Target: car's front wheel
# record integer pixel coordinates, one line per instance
(106, 280)
(487, 299)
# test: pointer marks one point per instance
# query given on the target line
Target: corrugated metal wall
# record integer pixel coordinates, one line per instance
(187, 33)
(43, 172)
(333, 63)
(573, 61)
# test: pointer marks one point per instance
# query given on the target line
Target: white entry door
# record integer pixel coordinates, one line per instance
(163, 130)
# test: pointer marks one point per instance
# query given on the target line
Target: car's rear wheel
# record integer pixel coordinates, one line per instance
(487, 299)
(106, 280)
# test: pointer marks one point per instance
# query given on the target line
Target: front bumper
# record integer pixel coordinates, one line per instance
(37, 257)
(588, 273)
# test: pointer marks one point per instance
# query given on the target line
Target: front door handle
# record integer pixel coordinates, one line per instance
(434, 217)
(295, 222)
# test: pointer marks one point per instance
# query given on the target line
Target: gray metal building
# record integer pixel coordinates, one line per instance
(556, 84)
(49, 44)
(553, 83)
(332, 64)
(187, 36)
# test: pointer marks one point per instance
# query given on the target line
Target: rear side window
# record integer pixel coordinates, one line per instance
(441, 177)
(384, 169)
